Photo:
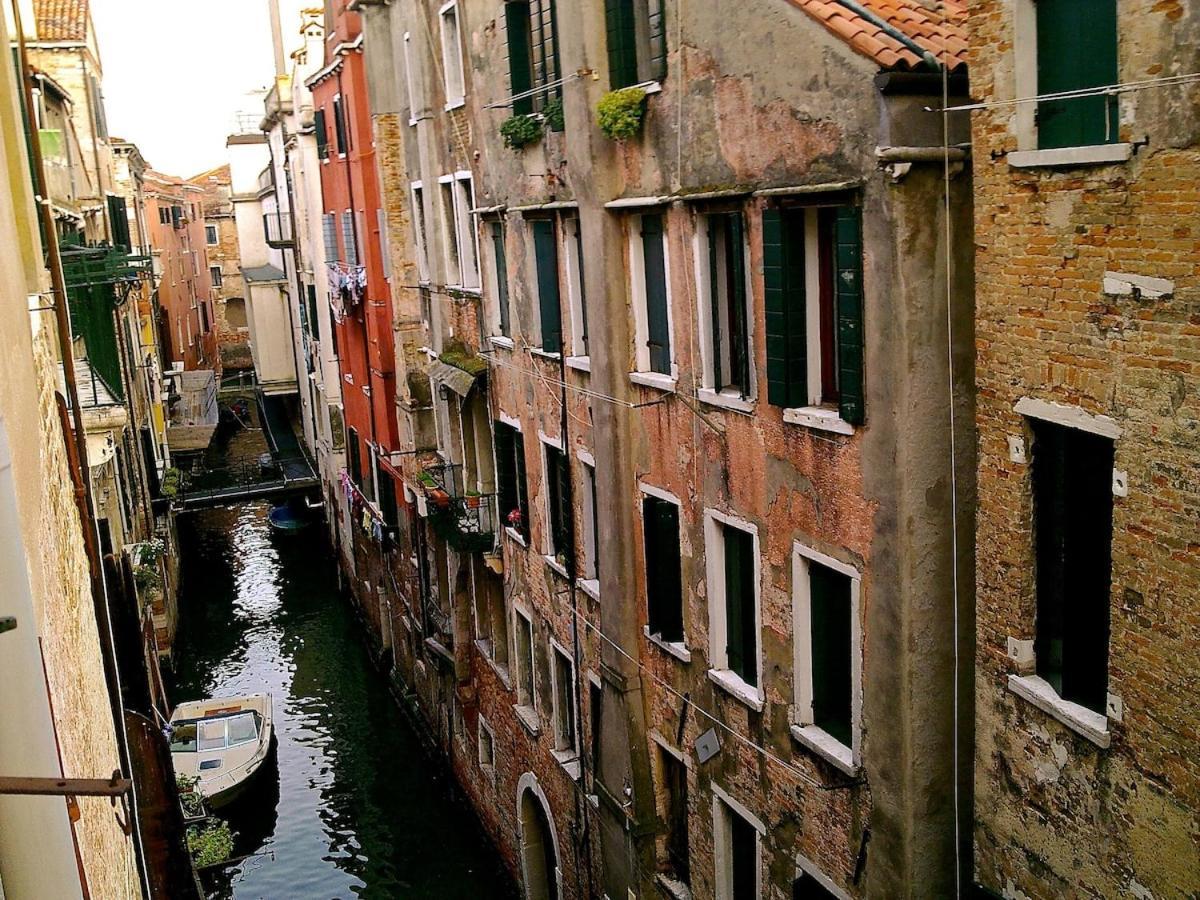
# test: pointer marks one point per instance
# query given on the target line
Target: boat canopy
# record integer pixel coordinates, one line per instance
(218, 733)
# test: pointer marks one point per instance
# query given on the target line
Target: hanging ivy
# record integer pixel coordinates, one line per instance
(619, 113)
(519, 131)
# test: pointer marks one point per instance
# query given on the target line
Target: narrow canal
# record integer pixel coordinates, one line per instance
(354, 807)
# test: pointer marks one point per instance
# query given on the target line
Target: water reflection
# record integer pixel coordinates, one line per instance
(352, 807)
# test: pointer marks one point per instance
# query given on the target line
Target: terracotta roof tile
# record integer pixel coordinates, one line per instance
(61, 20)
(936, 27)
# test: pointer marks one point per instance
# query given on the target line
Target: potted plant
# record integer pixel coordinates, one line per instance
(520, 130)
(620, 113)
(552, 114)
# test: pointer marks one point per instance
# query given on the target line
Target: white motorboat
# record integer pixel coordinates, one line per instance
(222, 742)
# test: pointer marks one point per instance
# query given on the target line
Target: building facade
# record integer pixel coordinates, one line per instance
(1086, 773)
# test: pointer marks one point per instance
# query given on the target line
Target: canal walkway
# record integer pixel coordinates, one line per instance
(356, 808)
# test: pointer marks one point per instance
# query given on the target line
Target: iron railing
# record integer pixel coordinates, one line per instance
(466, 520)
(277, 226)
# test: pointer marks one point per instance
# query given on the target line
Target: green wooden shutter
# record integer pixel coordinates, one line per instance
(352, 456)
(520, 57)
(848, 261)
(322, 134)
(339, 125)
(518, 441)
(741, 649)
(783, 289)
(1076, 48)
(544, 34)
(829, 614)
(658, 331)
(739, 339)
(549, 303)
(565, 542)
(501, 276)
(715, 234)
(657, 27)
(621, 32)
(118, 218)
(506, 473)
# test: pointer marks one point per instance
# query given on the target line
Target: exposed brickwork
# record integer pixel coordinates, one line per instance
(1055, 814)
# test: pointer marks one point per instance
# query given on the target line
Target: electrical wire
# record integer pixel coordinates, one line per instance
(532, 92)
(1120, 87)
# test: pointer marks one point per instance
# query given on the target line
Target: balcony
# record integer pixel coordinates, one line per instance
(466, 520)
(277, 226)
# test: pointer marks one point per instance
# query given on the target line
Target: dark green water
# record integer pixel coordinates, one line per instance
(354, 807)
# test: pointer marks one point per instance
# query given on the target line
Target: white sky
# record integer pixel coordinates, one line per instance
(176, 72)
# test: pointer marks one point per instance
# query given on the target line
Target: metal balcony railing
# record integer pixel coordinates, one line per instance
(277, 227)
(465, 519)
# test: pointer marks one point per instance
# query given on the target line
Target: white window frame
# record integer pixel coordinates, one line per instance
(678, 649)
(450, 239)
(453, 76)
(569, 753)
(637, 286)
(526, 712)
(805, 866)
(591, 546)
(335, 105)
(489, 260)
(515, 424)
(416, 193)
(714, 564)
(710, 392)
(574, 271)
(724, 806)
(385, 242)
(463, 193)
(547, 531)
(812, 736)
(215, 232)
(488, 769)
(410, 84)
(220, 275)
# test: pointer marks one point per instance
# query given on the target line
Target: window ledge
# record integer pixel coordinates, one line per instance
(580, 363)
(1095, 155)
(654, 380)
(732, 683)
(500, 671)
(456, 103)
(1079, 719)
(556, 566)
(499, 340)
(528, 717)
(650, 87)
(826, 746)
(544, 354)
(569, 760)
(819, 417)
(726, 400)
(672, 887)
(677, 649)
(590, 586)
(515, 535)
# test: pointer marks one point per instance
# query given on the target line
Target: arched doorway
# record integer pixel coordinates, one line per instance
(539, 860)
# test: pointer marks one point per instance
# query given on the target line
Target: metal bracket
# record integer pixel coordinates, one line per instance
(113, 787)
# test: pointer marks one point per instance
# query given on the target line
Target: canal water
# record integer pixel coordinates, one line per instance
(354, 807)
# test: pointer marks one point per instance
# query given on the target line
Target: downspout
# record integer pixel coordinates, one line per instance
(891, 31)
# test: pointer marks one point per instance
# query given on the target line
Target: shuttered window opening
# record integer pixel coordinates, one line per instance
(118, 219)
(1073, 512)
(636, 34)
(500, 276)
(450, 231)
(573, 254)
(532, 31)
(591, 525)
(564, 701)
(812, 279)
(353, 460)
(673, 857)
(339, 126)
(314, 322)
(1076, 48)
(558, 502)
(596, 714)
(329, 233)
(741, 625)
(737, 879)
(510, 477)
(385, 244)
(419, 232)
(831, 648)
(349, 241)
(545, 250)
(389, 509)
(464, 230)
(321, 130)
(655, 296)
(452, 61)
(806, 887)
(664, 580)
(524, 660)
(730, 348)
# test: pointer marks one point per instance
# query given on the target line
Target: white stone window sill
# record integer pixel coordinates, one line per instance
(528, 717)
(499, 340)
(822, 418)
(456, 103)
(515, 535)
(590, 586)
(1079, 719)
(672, 887)
(569, 760)
(439, 648)
(655, 380)
(726, 399)
(501, 672)
(544, 354)
(650, 87)
(732, 684)
(826, 746)
(1095, 155)
(580, 363)
(677, 649)
(556, 566)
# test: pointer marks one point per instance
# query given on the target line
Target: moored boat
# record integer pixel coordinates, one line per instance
(222, 742)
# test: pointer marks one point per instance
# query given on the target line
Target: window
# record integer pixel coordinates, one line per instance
(210, 235)
(204, 322)
(164, 215)
(456, 721)
(329, 233)
(353, 459)
(314, 320)
(339, 126)
(214, 273)
(526, 695)
(724, 311)
(564, 702)
(664, 582)
(591, 523)
(558, 505)
(495, 230)
(545, 250)
(491, 614)
(651, 296)
(1073, 511)
(812, 884)
(671, 795)
(487, 749)
(637, 41)
(349, 239)
(1076, 48)
(452, 63)
(321, 132)
(450, 230)
(573, 255)
(596, 709)
(409, 81)
(467, 250)
(731, 551)
(827, 657)
(510, 477)
(419, 232)
(812, 274)
(532, 53)
(736, 834)
(385, 245)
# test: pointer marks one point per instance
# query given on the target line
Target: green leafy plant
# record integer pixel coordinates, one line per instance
(456, 354)
(552, 114)
(147, 577)
(171, 483)
(619, 113)
(519, 131)
(210, 844)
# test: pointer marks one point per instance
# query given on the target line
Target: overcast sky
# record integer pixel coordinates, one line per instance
(176, 72)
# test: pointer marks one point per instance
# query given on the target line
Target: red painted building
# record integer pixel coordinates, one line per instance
(357, 259)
